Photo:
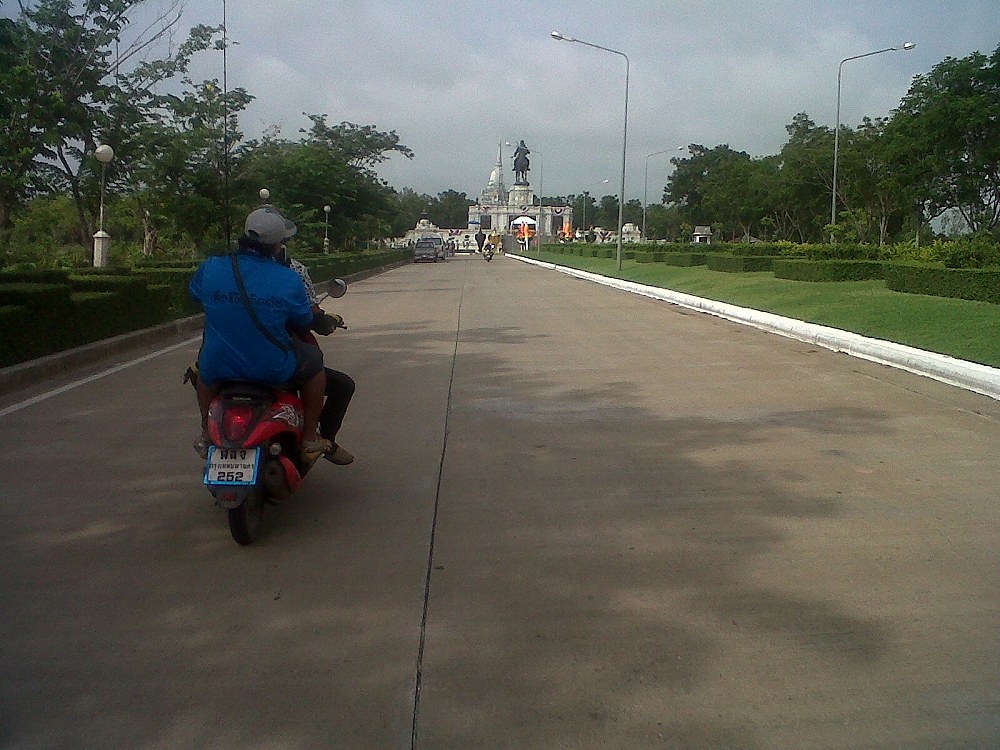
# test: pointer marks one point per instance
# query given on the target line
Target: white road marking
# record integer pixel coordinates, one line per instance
(83, 381)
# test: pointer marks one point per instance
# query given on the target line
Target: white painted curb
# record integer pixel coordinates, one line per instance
(957, 372)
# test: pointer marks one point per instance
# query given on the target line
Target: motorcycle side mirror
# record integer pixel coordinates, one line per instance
(336, 288)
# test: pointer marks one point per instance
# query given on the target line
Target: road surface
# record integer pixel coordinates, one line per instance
(578, 519)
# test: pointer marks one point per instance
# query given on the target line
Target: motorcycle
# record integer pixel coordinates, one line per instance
(256, 436)
(488, 252)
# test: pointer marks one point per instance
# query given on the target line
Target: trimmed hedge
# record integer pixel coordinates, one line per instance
(739, 263)
(176, 280)
(828, 270)
(685, 259)
(978, 284)
(43, 312)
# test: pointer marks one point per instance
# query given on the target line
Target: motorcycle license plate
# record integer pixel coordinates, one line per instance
(232, 466)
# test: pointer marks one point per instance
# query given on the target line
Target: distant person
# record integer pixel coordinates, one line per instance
(480, 239)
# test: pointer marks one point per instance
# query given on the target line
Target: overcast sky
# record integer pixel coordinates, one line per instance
(454, 78)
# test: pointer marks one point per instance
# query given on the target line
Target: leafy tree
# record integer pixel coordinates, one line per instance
(408, 207)
(801, 203)
(450, 210)
(180, 163)
(687, 185)
(632, 213)
(944, 141)
(664, 222)
(360, 146)
(62, 67)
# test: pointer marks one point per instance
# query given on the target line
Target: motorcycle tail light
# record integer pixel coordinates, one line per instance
(236, 423)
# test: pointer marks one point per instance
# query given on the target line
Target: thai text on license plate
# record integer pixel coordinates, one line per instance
(232, 465)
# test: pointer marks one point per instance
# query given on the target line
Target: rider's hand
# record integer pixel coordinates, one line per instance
(324, 324)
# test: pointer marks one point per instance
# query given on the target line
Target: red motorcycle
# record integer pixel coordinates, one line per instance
(256, 435)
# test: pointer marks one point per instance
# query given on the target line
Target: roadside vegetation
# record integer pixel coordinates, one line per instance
(917, 195)
(960, 328)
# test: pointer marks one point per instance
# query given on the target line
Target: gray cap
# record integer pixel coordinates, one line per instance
(267, 226)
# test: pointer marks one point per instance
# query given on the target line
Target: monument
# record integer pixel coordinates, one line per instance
(498, 207)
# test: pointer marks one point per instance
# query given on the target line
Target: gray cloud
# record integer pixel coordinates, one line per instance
(454, 78)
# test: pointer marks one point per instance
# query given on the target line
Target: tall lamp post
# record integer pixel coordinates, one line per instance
(326, 229)
(586, 200)
(102, 240)
(836, 133)
(621, 195)
(645, 186)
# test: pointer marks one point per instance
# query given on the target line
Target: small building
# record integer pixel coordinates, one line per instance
(702, 236)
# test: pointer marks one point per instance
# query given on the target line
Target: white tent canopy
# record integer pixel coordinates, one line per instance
(523, 220)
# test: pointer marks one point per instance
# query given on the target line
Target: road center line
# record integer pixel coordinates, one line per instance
(434, 519)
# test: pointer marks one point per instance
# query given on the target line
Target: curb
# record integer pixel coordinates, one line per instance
(16, 377)
(961, 373)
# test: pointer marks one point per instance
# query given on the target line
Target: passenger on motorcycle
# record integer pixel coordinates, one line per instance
(339, 385)
(250, 299)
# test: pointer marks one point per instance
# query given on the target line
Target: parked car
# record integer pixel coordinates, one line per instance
(428, 248)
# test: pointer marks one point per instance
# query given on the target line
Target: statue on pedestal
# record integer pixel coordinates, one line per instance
(521, 163)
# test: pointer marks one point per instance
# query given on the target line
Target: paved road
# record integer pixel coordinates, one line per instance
(579, 519)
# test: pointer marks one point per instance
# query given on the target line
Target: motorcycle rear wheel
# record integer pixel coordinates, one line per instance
(244, 519)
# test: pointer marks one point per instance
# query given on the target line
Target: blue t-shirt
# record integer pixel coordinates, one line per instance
(233, 348)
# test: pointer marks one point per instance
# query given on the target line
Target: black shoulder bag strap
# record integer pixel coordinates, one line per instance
(249, 306)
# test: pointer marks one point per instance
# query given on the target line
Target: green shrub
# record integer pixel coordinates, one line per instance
(982, 285)
(685, 259)
(177, 280)
(756, 249)
(975, 251)
(841, 251)
(34, 276)
(827, 270)
(738, 263)
(35, 296)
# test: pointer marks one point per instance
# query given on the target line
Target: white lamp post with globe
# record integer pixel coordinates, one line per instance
(102, 240)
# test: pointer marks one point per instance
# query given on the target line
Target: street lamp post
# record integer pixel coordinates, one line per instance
(326, 229)
(836, 133)
(621, 195)
(102, 240)
(645, 186)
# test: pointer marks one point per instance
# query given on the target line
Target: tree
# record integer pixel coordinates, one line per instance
(944, 141)
(664, 222)
(407, 209)
(450, 210)
(57, 78)
(687, 185)
(801, 203)
(179, 165)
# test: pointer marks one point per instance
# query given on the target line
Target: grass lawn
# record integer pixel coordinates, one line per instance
(959, 328)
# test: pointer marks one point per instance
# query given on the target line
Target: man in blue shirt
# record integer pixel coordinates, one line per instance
(238, 344)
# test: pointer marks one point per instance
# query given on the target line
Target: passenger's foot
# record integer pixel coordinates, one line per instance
(339, 456)
(313, 449)
(201, 444)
